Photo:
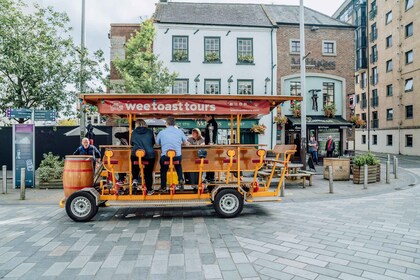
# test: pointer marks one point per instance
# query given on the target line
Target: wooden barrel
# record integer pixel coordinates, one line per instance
(78, 174)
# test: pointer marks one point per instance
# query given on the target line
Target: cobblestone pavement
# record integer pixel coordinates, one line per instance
(369, 237)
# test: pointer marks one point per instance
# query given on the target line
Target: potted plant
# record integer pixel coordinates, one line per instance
(357, 121)
(245, 58)
(50, 171)
(180, 56)
(329, 110)
(281, 120)
(212, 57)
(258, 128)
(374, 168)
(296, 109)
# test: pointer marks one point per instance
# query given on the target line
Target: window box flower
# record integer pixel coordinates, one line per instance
(329, 110)
(258, 128)
(245, 58)
(212, 57)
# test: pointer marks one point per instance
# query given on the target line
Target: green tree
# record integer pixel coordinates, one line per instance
(39, 61)
(141, 70)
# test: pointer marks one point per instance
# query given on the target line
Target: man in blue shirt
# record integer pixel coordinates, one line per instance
(171, 138)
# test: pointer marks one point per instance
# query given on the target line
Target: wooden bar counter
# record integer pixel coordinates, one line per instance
(217, 158)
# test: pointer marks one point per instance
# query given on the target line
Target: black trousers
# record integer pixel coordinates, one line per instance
(165, 167)
(148, 171)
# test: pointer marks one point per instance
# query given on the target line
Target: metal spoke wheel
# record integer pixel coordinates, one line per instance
(228, 203)
(81, 206)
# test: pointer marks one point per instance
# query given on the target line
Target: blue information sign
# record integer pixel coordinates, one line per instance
(23, 151)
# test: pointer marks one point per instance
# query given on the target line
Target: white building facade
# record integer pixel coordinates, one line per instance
(221, 55)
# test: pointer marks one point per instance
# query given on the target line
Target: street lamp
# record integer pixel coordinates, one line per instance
(302, 85)
(230, 80)
(82, 81)
(267, 80)
(196, 80)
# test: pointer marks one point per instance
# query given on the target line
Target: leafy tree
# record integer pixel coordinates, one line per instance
(141, 70)
(39, 60)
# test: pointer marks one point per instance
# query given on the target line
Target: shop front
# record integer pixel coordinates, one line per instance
(321, 128)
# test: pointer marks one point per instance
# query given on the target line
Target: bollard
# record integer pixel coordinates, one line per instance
(396, 168)
(387, 172)
(365, 177)
(393, 165)
(282, 188)
(4, 179)
(330, 177)
(22, 184)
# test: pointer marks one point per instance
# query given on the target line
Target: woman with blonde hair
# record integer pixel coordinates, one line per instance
(196, 138)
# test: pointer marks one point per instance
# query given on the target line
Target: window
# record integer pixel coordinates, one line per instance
(373, 10)
(389, 114)
(374, 77)
(389, 41)
(363, 139)
(364, 117)
(179, 48)
(363, 104)
(389, 90)
(409, 57)
(375, 98)
(409, 4)
(388, 17)
(294, 46)
(375, 120)
(363, 81)
(356, 79)
(212, 86)
(180, 86)
(245, 87)
(389, 65)
(357, 98)
(409, 30)
(295, 88)
(389, 140)
(212, 49)
(245, 50)
(409, 111)
(374, 139)
(374, 32)
(328, 93)
(328, 47)
(408, 85)
(409, 140)
(374, 54)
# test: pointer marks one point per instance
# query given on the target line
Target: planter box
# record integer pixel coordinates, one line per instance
(341, 168)
(374, 174)
(54, 184)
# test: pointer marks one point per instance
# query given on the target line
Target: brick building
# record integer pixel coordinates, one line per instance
(386, 83)
(329, 44)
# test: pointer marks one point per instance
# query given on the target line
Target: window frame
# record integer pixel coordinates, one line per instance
(407, 55)
(390, 114)
(387, 19)
(407, 2)
(174, 50)
(326, 93)
(291, 46)
(252, 51)
(409, 30)
(406, 140)
(407, 82)
(389, 140)
(212, 80)
(389, 66)
(363, 139)
(181, 80)
(374, 139)
(245, 81)
(389, 90)
(388, 41)
(219, 51)
(334, 48)
(409, 109)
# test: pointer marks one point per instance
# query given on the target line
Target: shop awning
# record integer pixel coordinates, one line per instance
(320, 122)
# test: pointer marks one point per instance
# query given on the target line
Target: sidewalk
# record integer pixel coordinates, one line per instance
(319, 191)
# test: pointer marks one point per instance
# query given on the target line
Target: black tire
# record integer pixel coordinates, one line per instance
(81, 206)
(228, 203)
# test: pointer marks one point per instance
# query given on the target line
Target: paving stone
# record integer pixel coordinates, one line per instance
(20, 270)
(56, 269)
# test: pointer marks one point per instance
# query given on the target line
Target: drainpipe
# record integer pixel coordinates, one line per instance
(272, 82)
